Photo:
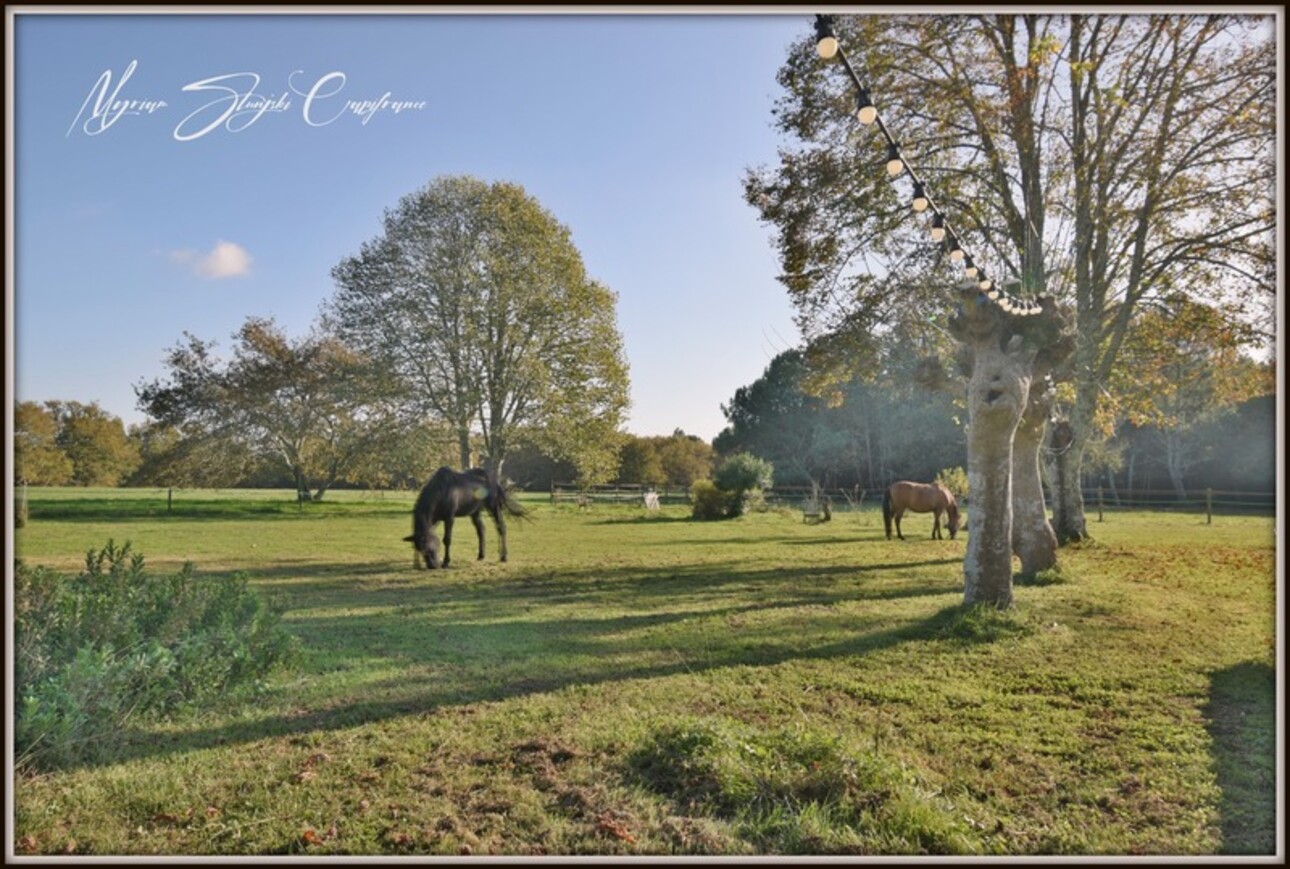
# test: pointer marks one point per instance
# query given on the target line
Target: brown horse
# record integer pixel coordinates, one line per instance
(920, 498)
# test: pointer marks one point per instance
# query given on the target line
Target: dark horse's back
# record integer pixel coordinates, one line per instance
(459, 493)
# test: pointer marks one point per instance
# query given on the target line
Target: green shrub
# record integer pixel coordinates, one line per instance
(744, 476)
(956, 480)
(743, 472)
(709, 501)
(113, 645)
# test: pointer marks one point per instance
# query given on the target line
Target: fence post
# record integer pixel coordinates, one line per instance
(170, 498)
(1099, 503)
(1209, 506)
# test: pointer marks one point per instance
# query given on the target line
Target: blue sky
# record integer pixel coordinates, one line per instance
(633, 130)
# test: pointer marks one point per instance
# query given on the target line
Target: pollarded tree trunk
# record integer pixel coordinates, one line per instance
(1033, 539)
(1068, 500)
(997, 395)
(1068, 440)
(1001, 353)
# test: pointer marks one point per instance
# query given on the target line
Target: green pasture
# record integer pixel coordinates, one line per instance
(637, 684)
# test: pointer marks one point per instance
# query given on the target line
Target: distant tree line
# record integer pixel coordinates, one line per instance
(876, 436)
(893, 427)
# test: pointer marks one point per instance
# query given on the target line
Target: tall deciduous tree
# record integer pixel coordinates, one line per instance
(638, 462)
(1104, 159)
(684, 457)
(37, 457)
(95, 442)
(476, 299)
(312, 405)
(1182, 370)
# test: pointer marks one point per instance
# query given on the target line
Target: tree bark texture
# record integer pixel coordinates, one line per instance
(1033, 539)
(1002, 354)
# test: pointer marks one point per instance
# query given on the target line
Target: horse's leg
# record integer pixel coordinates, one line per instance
(479, 531)
(447, 538)
(899, 513)
(499, 520)
(936, 524)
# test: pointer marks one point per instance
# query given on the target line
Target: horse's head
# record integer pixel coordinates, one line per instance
(425, 544)
(952, 518)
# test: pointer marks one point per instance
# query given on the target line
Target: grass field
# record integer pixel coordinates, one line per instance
(635, 684)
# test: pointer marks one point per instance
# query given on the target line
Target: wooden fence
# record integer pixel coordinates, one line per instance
(1099, 501)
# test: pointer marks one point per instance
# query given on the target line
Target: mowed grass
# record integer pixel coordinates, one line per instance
(632, 684)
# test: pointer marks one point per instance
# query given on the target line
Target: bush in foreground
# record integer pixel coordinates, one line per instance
(114, 645)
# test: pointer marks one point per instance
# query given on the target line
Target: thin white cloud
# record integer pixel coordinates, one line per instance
(225, 260)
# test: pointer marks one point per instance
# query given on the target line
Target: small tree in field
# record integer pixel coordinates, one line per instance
(311, 405)
(744, 476)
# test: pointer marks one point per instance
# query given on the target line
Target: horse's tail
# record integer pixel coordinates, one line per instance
(512, 506)
(886, 511)
(507, 501)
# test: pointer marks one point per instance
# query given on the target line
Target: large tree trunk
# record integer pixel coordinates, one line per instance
(463, 445)
(997, 394)
(1033, 539)
(1068, 497)
(302, 484)
(1001, 352)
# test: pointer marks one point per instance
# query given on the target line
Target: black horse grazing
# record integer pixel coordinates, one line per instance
(450, 494)
(920, 498)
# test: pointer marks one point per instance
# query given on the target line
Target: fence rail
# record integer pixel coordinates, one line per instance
(621, 493)
(1099, 500)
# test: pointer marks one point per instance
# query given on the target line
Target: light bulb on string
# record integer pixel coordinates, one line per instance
(920, 198)
(895, 165)
(938, 227)
(826, 43)
(866, 111)
(971, 269)
(956, 252)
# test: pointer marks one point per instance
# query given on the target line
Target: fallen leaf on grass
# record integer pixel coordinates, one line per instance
(311, 837)
(170, 817)
(27, 844)
(305, 775)
(606, 823)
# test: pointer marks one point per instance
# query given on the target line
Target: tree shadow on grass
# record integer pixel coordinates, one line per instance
(467, 643)
(1242, 723)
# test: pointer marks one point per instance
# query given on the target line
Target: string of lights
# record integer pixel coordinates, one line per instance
(942, 232)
